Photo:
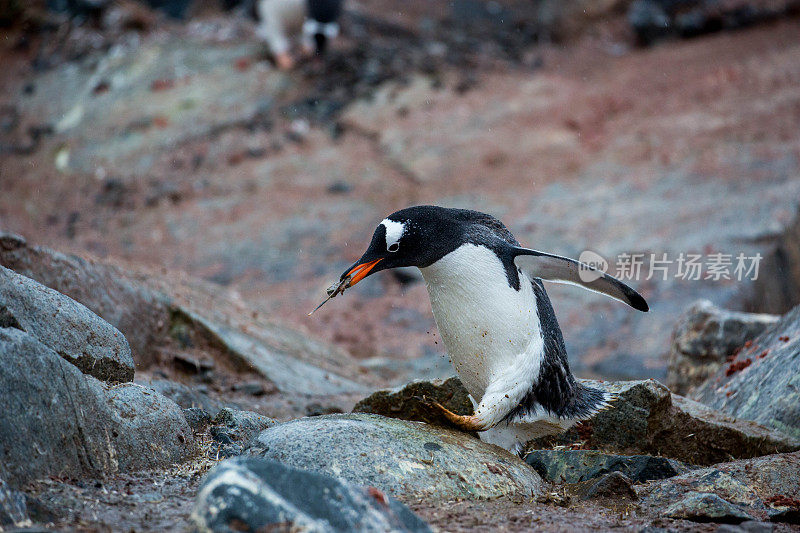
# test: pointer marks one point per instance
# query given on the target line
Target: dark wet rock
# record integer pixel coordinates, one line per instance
(704, 337)
(339, 187)
(253, 388)
(67, 327)
(612, 485)
(654, 20)
(245, 424)
(647, 418)
(197, 418)
(49, 402)
(13, 510)
(574, 466)
(185, 396)
(763, 382)
(232, 430)
(255, 494)
(706, 507)
(155, 314)
(406, 459)
(317, 409)
(407, 403)
(649, 20)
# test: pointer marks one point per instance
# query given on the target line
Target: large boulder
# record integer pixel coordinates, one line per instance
(406, 459)
(763, 382)
(704, 337)
(138, 313)
(57, 421)
(67, 327)
(161, 316)
(255, 494)
(647, 418)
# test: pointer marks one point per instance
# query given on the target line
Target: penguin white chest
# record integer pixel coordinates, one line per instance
(485, 324)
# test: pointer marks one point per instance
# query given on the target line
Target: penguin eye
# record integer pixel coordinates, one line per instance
(394, 247)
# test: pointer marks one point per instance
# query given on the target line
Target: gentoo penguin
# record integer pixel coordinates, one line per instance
(279, 19)
(494, 317)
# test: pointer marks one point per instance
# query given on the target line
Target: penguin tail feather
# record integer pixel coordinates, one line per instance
(590, 401)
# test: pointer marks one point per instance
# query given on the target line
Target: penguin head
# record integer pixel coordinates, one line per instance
(416, 236)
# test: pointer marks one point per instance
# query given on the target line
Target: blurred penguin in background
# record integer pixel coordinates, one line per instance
(314, 21)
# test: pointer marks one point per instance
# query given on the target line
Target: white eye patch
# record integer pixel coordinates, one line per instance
(394, 231)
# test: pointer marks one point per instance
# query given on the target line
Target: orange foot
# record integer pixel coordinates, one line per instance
(284, 61)
(463, 422)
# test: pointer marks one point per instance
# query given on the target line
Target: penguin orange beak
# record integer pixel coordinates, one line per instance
(360, 271)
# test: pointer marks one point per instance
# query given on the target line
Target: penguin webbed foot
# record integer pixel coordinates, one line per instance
(468, 423)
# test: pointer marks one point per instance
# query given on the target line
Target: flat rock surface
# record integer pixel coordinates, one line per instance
(66, 326)
(763, 382)
(408, 459)
(259, 494)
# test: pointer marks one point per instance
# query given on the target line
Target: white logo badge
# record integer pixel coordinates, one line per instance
(592, 265)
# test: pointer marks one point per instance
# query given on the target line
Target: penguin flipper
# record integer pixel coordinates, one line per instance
(550, 267)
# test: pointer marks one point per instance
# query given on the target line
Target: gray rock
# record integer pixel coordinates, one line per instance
(197, 418)
(759, 486)
(183, 395)
(653, 20)
(137, 312)
(612, 485)
(748, 526)
(66, 326)
(432, 365)
(255, 494)
(57, 421)
(763, 382)
(406, 402)
(153, 313)
(13, 511)
(406, 459)
(706, 507)
(233, 429)
(732, 488)
(574, 466)
(647, 418)
(704, 337)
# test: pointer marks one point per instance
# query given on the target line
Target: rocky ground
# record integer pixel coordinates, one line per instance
(172, 206)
